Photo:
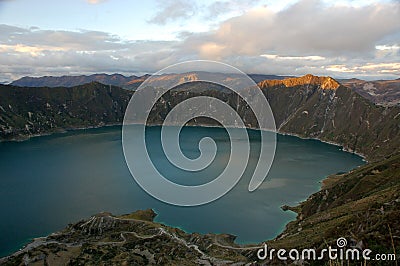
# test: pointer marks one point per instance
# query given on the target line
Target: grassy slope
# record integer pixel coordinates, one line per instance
(361, 205)
(31, 111)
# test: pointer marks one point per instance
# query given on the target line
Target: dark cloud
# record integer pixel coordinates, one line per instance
(77, 40)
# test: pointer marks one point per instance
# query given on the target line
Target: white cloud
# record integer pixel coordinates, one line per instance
(376, 68)
(381, 66)
(340, 68)
(387, 47)
(279, 57)
(94, 2)
(309, 36)
(43, 52)
(307, 27)
(235, 7)
(171, 10)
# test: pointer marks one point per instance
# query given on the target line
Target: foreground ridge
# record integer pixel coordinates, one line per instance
(132, 239)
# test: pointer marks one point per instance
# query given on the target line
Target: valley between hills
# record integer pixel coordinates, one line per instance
(361, 205)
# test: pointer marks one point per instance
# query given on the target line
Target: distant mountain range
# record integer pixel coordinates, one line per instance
(130, 82)
(381, 92)
(71, 81)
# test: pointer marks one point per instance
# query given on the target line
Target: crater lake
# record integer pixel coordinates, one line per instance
(50, 181)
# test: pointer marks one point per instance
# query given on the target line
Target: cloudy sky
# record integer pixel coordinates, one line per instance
(344, 38)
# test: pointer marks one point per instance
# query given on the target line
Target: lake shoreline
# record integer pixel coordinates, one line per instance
(61, 131)
(155, 125)
(23, 138)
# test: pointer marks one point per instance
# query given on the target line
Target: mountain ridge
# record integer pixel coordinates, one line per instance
(71, 81)
(307, 110)
(381, 92)
(326, 83)
(129, 82)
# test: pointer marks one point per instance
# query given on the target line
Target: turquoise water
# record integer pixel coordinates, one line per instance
(48, 182)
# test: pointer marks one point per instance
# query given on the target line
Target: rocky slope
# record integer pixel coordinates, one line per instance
(334, 114)
(363, 206)
(382, 92)
(325, 83)
(310, 107)
(132, 239)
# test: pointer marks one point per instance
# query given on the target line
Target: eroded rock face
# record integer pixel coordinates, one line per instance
(325, 83)
(381, 92)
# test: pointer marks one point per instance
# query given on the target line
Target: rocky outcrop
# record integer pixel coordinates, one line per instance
(326, 83)
(104, 239)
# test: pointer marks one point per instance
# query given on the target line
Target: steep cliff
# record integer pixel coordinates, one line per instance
(336, 114)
